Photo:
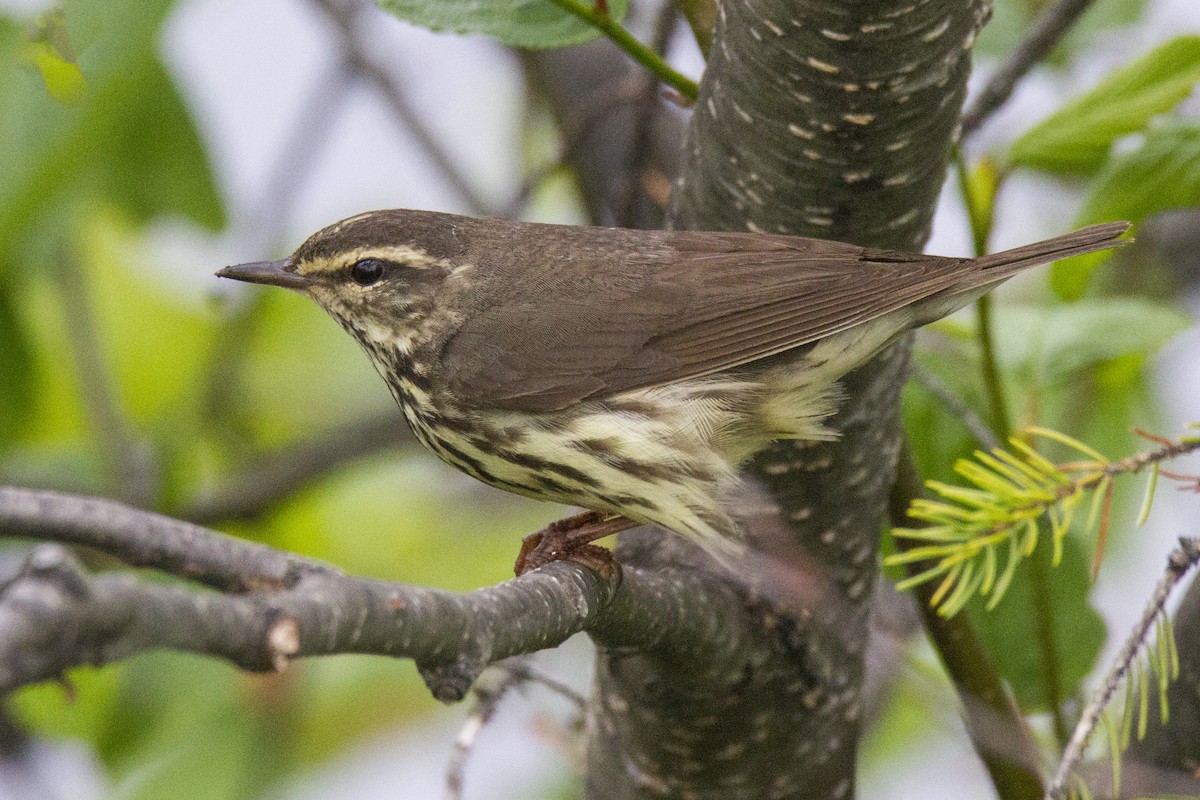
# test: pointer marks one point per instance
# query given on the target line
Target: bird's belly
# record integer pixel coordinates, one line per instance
(620, 458)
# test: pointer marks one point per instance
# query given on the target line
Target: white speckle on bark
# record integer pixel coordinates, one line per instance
(837, 36)
(822, 222)
(859, 119)
(969, 42)
(750, 226)
(757, 36)
(828, 127)
(898, 180)
(796, 130)
(812, 154)
(937, 31)
(712, 108)
(903, 219)
(899, 144)
(754, 196)
(828, 535)
(731, 751)
(822, 66)
(800, 514)
(855, 177)
(875, 28)
(775, 29)
(741, 113)
(803, 98)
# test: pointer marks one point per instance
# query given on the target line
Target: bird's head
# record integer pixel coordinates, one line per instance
(378, 273)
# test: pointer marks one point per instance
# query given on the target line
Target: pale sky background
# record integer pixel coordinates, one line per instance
(249, 68)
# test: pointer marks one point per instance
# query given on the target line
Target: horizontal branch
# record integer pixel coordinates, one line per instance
(276, 606)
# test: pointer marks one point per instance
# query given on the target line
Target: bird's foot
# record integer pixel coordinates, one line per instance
(571, 539)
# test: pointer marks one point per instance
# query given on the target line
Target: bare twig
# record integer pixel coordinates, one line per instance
(1047, 31)
(487, 700)
(522, 671)
(344, 16)
(1181, 560)
(309, 132)
(264, 233)
(129, 460)
(574, 133)
(960, 410)
(648, 107)
(273, 477)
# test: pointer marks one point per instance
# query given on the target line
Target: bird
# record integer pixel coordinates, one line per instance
(626, 372)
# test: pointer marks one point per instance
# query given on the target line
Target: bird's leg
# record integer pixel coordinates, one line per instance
(570, 540)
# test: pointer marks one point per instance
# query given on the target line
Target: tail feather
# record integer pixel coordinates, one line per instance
(996, 267)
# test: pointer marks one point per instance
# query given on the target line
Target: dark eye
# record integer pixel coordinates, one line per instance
(367, 271)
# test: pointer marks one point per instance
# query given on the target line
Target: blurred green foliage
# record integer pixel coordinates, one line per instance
(99, 144)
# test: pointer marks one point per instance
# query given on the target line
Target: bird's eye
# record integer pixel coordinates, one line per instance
(367, 271)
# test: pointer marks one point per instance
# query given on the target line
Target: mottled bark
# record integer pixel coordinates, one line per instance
(827, 119)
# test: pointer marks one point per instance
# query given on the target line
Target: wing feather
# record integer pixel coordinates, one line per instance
(621, 309)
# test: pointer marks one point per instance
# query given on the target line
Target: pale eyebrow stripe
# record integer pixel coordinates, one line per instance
(412, 257)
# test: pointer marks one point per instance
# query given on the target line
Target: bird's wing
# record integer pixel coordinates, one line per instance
(694, 304)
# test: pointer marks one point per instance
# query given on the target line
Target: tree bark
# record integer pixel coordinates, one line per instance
(827, 119)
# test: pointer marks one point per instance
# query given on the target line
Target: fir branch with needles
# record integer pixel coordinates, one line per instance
(976, 536)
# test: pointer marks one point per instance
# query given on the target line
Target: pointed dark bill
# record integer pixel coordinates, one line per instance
(272, 273)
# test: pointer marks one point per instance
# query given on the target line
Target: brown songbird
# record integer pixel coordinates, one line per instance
(629, 372)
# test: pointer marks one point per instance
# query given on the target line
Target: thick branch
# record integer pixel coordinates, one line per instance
(54, 615)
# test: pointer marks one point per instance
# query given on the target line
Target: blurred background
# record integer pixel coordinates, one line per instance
(156, 141)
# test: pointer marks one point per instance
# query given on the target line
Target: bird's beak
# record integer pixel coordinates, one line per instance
(272, 273)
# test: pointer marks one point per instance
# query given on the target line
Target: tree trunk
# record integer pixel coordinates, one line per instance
(830, 119)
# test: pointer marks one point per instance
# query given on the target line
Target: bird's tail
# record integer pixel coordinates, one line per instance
(996, 267)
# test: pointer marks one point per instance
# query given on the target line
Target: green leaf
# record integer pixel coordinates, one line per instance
(1160, 175)
(1076, 139)
(16, 368)
(49, 49)
(1079, 630)
(131, 140)
(1051, 345)
(519, 23)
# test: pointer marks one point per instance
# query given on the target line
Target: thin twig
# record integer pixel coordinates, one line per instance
(344, 17)
(129, 460)
(1179, 563)
(957, 408)
(1047, 31)
(520, 669)
(487, 701)
(273, 477)
(603, 21)
(308, 133)
(599, 103)
(264, 235)
(647, 109)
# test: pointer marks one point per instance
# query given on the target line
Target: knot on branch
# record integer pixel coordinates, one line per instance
(42, 617)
